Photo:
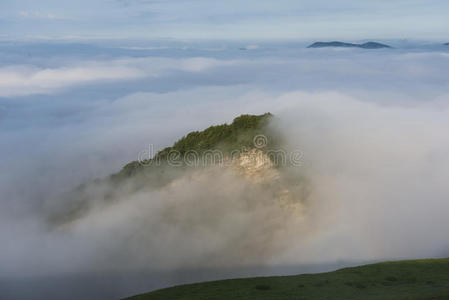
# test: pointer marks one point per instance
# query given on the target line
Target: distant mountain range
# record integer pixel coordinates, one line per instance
(368, 45)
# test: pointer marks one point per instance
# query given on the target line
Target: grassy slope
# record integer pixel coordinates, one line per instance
(417, 279)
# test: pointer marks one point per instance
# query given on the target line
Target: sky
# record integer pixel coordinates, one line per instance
(233, 19)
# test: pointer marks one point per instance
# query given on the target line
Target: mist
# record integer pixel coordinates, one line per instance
(372, 185)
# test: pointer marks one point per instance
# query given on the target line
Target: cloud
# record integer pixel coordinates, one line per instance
(416, 74)
(373, 169)
(22, 80)
(43, 16)
(231, 19)
(371, 125)
(26, 80)
(378, 175)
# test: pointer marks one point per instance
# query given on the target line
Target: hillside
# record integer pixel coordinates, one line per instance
(368, 45)
(164, 167)
(226, 137)
(417, 279)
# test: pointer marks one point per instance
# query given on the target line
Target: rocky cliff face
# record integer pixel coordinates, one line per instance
(256, 167)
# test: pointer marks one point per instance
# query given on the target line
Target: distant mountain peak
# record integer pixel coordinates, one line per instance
(368, 45)
(374, 45)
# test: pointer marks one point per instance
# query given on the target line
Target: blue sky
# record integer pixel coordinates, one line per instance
(232, 19)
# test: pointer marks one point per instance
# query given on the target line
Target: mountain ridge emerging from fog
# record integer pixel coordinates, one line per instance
(414, 280)
(226, 137)
(368, 45)
(152, 172)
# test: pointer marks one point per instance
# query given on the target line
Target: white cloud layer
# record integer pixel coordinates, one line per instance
(27, 80)
(378, 176)
(42, 15)
(23, 80)
(372, 126)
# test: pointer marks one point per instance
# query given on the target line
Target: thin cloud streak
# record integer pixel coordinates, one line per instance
(23, 80)
(284, 19)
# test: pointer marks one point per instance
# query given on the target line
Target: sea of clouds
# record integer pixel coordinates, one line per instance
(372, 126)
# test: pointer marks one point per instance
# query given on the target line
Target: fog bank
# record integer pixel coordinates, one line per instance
(372, 186)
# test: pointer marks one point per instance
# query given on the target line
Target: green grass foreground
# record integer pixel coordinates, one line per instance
(416, 279)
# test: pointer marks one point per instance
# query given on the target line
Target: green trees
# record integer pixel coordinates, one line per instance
(236, 136)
